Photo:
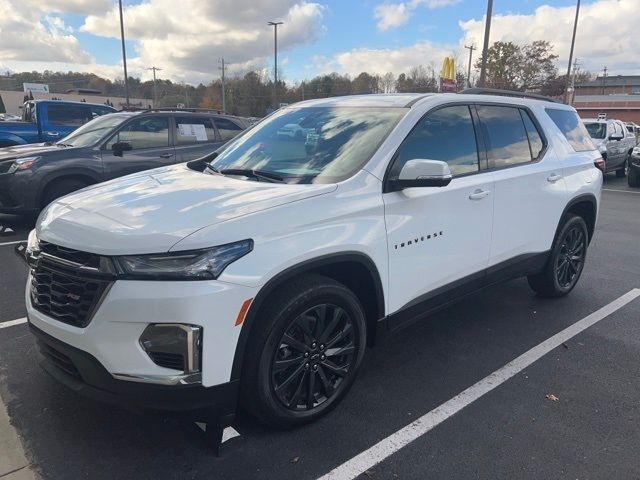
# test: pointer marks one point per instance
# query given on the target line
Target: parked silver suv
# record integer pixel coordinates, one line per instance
(614, 141)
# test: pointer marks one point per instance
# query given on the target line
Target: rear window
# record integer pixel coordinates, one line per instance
(68, 115)
(572, 128)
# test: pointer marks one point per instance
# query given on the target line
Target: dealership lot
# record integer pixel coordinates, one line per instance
(571, 414)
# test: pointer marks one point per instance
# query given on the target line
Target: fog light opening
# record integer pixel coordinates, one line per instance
(173, 345)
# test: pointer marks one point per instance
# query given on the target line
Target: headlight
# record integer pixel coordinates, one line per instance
(22, 164)
(204, 264)
(33, 242)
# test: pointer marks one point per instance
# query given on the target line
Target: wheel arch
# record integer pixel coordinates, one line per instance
(586, 206)
(73, 175)
(354, 269)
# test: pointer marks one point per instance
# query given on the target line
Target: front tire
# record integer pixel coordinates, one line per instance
(566, 261)
(622, 171)
(633, 179)
(60, 188)
(304, 352)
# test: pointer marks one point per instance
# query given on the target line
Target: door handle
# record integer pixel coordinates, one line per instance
(479, 194)
(554, 177)
(52, 134)
(166, 155)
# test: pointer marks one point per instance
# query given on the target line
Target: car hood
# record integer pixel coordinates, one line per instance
(149, 212)
(30, 150)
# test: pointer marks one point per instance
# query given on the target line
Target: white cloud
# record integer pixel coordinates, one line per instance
(186, 42)
(606, 32)
(31, 34)
(393, 15)
(385, 60)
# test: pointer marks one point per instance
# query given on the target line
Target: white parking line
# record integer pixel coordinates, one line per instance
(12, 243)
(390, 445)
(11, 323)
(619, 191)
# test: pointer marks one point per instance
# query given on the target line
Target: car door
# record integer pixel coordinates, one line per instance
(530, 193)
(195, 137)
(140, 144)
(438, 236)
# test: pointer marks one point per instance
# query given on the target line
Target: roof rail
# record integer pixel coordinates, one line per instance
(507, 93)
(175, 109)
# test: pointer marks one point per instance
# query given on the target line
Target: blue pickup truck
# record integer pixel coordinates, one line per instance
(49, 121)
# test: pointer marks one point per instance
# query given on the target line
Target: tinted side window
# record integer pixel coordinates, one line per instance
(445, 134)
(147, 132)
(505, 137)
(191, 130)
(98, 111)
(572, 128)
(68, 115)
(535, 140)
(227, 128)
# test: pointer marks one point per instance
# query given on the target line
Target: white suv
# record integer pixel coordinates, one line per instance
(262, 272)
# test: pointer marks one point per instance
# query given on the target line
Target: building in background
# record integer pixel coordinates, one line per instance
(13, 100)
(616, 96)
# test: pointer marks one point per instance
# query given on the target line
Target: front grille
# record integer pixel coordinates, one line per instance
(59, 359)
(168, 360)
(63, 286)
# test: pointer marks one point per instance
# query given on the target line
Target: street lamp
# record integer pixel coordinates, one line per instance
(275, 63)
(485, 47)
(124, 55)
(573, 42)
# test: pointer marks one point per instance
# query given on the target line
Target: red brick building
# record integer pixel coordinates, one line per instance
(617, 96)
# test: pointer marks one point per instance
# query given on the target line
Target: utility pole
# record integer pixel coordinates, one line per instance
(155, 91)
(275, 63)
(124, 55)
(485, 46)
(604, 78)
(573, 81)
(224, 98)
(573, 42)
(471, 49)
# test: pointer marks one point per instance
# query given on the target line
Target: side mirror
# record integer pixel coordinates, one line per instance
(616, 136)
(422, 173)
(119, 147)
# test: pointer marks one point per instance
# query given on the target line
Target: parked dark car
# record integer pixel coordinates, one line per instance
(633, 178)
(113, 145)
(49, 121)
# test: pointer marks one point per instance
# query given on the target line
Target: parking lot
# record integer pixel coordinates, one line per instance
(572, 413)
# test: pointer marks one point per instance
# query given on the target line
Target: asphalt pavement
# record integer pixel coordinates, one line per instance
(570, 414)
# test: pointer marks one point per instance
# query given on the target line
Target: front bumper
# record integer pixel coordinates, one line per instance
(84, 374)
(635, 163)
(17, 194)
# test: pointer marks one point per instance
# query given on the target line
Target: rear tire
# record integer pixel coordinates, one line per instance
(622, 171)
(304, 352)
(566, 260)
(633, 178)
(60, 188)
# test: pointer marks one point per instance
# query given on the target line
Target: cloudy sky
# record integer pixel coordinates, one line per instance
(186, 37)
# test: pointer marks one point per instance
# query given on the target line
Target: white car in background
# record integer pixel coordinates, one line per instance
(614, 141)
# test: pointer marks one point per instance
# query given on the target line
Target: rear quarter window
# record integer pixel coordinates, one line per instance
(572, 128)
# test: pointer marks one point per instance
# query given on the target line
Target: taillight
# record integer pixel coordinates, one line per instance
(600, 164)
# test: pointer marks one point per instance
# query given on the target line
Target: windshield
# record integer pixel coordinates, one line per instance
(597, 129)
(311, 144)
(93, 131)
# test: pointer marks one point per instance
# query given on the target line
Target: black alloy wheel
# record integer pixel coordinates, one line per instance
(570, 259)
(315, 355)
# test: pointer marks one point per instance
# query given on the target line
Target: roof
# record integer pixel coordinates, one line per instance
(368, 100)
(612, 81)
(69, 102)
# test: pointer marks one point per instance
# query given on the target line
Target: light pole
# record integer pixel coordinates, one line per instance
(155, 92)
(275, 62)
(485, 46)
(124, 55)
(471, 49)
(573, 42)
(224, 95)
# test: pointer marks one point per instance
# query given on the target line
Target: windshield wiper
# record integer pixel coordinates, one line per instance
(248, 172)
